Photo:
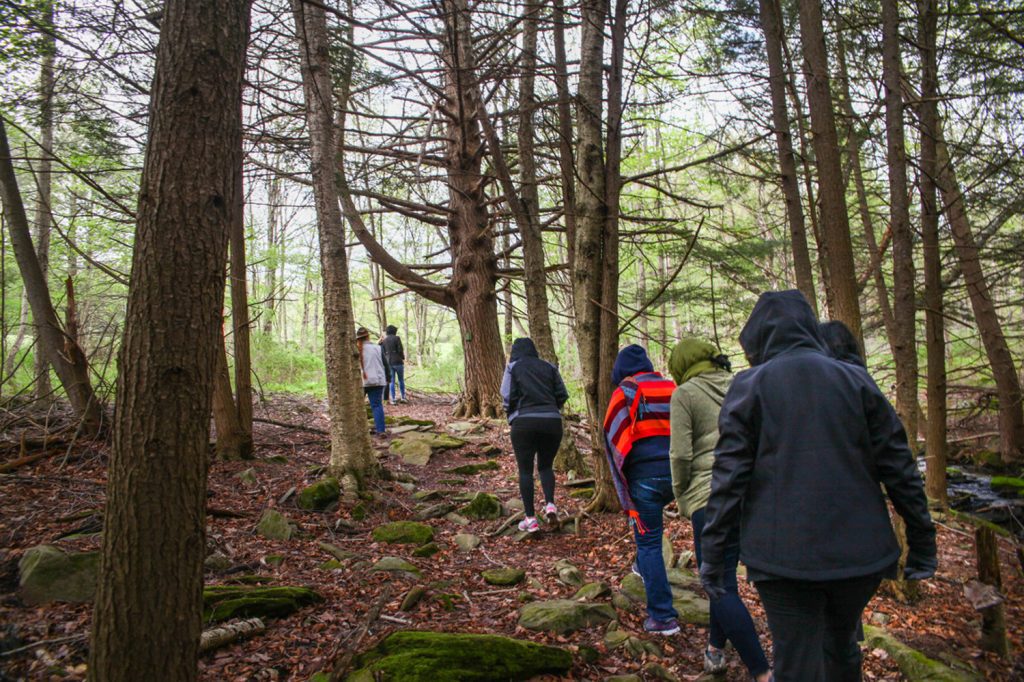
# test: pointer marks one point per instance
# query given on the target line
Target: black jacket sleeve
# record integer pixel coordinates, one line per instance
(897, 471)
(733, 466)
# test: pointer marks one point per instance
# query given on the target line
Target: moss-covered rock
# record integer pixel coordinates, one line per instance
(427, 550)
(427, 495)
(592, 591)
(247, 477)
(446, 657)
(582, 493)
(914, 665)
(473, 469)
(692, 608)
(404, 533)
(392, 564)
(273, 559)
(633, 646)
(483, 506)
(413, 597)
(274, 525)
(320, 495)
(563, 616)
(338, 553)
(46, 574)
(434, 511)
(503, 576)
(223, 602)
(568, 573)
(411, 450)
(331, 565)
(1008, 485)
(399, 420)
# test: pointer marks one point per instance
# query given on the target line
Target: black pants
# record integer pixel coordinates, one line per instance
(814, 627)
(536, 437)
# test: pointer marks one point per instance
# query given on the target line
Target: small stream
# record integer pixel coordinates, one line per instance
(971, 492)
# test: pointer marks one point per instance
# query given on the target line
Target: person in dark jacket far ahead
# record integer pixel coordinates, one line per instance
(805, 440)
(533, 393)
(394, 355)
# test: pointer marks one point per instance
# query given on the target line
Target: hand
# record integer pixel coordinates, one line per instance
(919, 567)
(711, 577)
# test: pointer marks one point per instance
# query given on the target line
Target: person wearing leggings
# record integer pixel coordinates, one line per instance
(533, 393)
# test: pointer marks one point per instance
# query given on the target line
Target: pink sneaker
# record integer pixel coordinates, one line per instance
(551, 512)
(529, 525)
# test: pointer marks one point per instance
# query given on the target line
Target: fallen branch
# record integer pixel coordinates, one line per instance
(224, 513)
(506, 524)
(341, 669)
(27, 459)
(45, 642)
(294, 427)
(214, 638)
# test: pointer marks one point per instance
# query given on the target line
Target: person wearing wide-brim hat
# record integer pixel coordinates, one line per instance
(374, 376)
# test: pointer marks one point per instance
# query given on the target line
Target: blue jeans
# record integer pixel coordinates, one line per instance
(375, 394)
(397, 376)
(730, 619)
(650, 495)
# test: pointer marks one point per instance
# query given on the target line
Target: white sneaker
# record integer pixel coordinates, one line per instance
(529, 525)
(551, 512)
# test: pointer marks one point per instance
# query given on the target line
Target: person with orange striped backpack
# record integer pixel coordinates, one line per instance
(637, 435)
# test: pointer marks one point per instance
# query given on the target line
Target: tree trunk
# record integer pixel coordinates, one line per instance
(241, 324)
(44, 180)
(903, 281)
(935, 324)
(273, 252)
(1011, 410)
(154, 537)
(835, 222)
(774, 34)
(230, 439)
(60, 350)
(351, 454)
(565, 137)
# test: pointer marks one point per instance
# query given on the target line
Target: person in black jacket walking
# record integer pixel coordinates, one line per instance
(805, 440)
(533, 393)
(394, 356)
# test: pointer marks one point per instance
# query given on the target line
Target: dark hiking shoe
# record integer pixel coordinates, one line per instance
(714, 660)
(661, 627)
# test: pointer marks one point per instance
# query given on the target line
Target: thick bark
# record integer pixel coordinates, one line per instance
(351, 454)
(44, 179)
(935, 324)
(835, 222)
(59, 349)
(241, 324)
(1004, 371)
(771, 25)
(156, 494)
(904, 341)
(230, 439)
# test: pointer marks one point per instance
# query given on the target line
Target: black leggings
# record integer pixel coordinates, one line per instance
(540, 437)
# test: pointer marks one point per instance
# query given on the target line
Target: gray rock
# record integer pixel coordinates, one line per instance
(413, 597)
(692, 608)
(435, 511)
(466, 542)
(427, 550)
(338, 553)
(568, 573)
(483, 506)
(592, 591)
(216, 562)
(248, 477)
(503, 576)
(275, 526)
(403, 532)
(457, 519)
(392, 564)
(515, 504)
(563, 616)
(46, 574)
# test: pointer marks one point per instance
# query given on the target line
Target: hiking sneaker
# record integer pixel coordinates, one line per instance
(403, 400)
(661, 627)
(529, 525)
(636, 570)
(551, 512)
(714, 660)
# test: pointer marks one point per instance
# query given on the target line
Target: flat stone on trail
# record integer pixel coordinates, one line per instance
(404, 533)
(47, 573)
(503, 576)
(412, 451)
(483, 506)
(563, 616)
(568, 573)
(435, 511)
(392, 564)
(592, 591)
(466, 542)
(274, 525)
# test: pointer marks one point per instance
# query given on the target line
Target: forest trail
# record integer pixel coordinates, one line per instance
(338, 554)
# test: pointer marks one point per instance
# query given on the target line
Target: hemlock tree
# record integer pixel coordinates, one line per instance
(148, 614)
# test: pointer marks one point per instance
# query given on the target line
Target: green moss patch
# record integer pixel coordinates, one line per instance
(427, 550)
(320, 495)
(1008, 484)
(483, 506)
(563, 616)
(47, 574)
(223, 602)
(445, 657)
(392, 564)
(503, 576)
(274, 525)
(914, 665)
(404, 533)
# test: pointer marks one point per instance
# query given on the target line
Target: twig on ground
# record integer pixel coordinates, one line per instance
(341, 669)
(294, 427)
(45, 642)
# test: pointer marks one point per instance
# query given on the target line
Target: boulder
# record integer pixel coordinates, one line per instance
(466, 542)
(247, 477)
(392, 564)
(217, 562)
(630, 644)
(47, 574)
(224, 602)
(427, 495)
(483, 506)
(503, 577)
(412, 451)
(915, 666)
(449, 657)
(568, 573)
(465, 428)
(274, 525)
(457, 519)
(592, 591)
(404, 533)
(563, 616)
(427, 550)
(320, 495)
(434, 511)
(692, 608)
(412, 598)
(515, 504)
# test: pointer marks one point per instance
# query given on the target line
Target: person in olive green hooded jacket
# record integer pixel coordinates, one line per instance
(702, 375)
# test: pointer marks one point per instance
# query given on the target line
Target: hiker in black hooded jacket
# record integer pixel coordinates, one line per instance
(533, 393)
(805, 440)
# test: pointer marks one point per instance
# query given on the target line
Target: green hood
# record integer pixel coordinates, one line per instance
(691, 357)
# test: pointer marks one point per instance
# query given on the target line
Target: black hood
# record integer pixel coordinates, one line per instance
(523, 348)
(391, 330)
(780, 321)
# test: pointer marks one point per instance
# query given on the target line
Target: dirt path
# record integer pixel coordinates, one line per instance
(38, 504)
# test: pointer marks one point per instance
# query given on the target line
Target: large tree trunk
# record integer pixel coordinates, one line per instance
(774, 34)
(566, 165)
(59, 349)
(148, 613)
(351, 454)
(241, 324)
(935, 324)
(835, 222)
(229, 443)
(44, 179)
(905, 343)
(1011, 410)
